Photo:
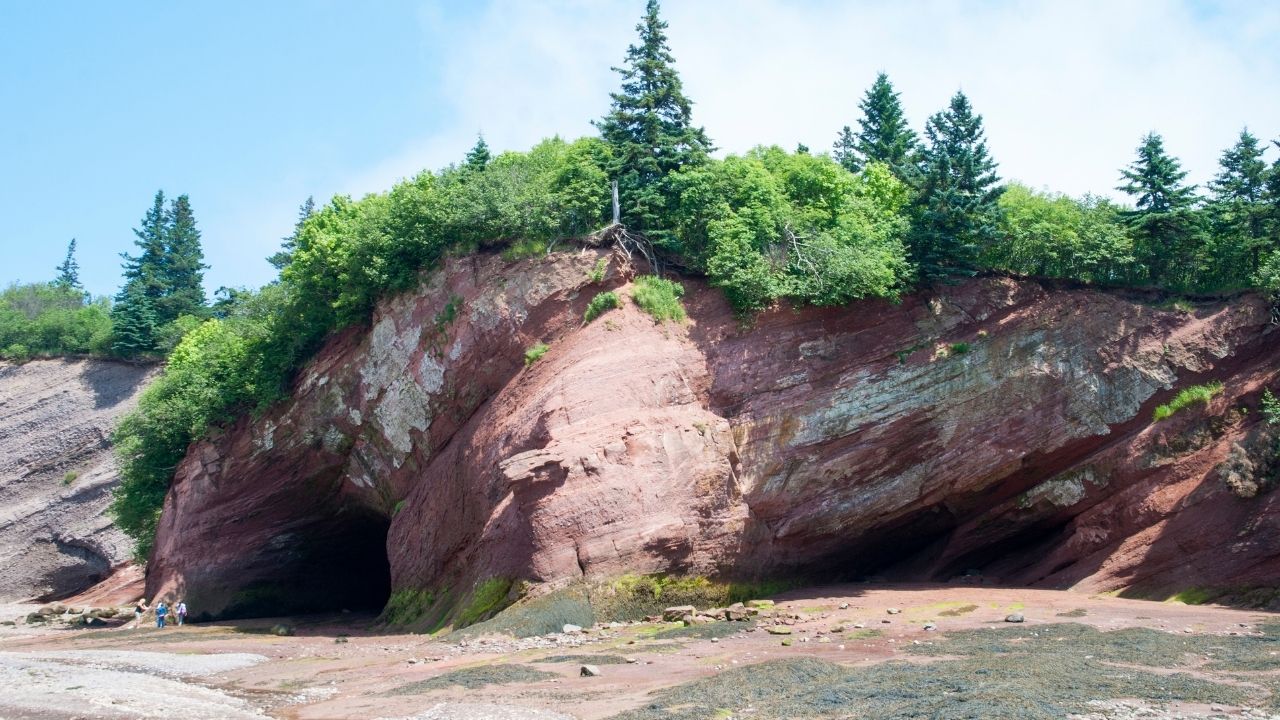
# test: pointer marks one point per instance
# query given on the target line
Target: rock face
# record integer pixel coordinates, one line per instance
(57, 472)
(998, 428)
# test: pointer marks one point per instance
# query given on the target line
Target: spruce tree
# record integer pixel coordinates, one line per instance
(650, 128)
(183, 266)
(1166, 230)
(285, 255)
(147, 269)
(69, 271)
(478, 156)
(845, 150)
(133, 322)
(955, 214)
(1239, 212)
(885, 136)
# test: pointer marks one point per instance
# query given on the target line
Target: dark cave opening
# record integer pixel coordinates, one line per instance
(335, 565)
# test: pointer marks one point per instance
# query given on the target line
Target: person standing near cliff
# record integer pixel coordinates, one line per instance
(139, 610)
(161, 611)
(181, 611)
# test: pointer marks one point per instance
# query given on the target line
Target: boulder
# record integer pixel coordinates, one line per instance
(589, 671)
(678, 612)
(1014, 618)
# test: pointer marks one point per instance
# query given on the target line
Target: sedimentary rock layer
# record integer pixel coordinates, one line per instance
(999, 428)
(57, 471)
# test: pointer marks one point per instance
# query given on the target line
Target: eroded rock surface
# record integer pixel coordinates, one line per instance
(57, 472)
(998, 428)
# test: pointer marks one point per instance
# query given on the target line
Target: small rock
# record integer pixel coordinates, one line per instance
(571, 629)
(339, 640)
(930, 626)
(678, 612)
(837, 628)
(778, 630)
(844, 606)
(715, 640)
(886, 622)
(858, 626)
(786, 642)
(282, 630)
(893, 611)
(1014, 618)
(630, 660)
(824, 639)
(589, 671)
(839, 647)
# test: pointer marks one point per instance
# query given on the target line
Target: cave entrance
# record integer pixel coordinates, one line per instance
(338, 563)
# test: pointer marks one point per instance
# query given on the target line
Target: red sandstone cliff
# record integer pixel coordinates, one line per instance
(995, 426)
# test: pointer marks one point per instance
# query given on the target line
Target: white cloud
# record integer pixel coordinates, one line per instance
(1067, 89)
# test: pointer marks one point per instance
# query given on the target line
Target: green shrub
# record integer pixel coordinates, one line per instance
(70, 477)
(597, 273)
(601, 303)
(535, 353)
(49, 320)
(660, 298)
(487, 599)
(1187, 397)
(960, 348)
(1270, 407)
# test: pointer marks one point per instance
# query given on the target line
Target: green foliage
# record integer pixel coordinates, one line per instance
(69, 270)
(1187, 397)
(660, 298)
(70, 477)
(1048, 235)
(960, 348)
(597, 272)
(650, 128)
(535, 353)
(1270, 407)
(405, 607)
(601, 303)
(1166, 228)
(775, 225)
(164, 281)
(885, 137)
(478, 156)
(956, 213)
(52, 319)
(487, 599)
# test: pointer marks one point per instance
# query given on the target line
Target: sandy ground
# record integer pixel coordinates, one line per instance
(341, 667)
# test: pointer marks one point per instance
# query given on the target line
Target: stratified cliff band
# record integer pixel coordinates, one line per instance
(996, 429)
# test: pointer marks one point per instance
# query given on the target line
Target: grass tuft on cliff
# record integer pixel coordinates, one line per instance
(1201, 394)
(600, 304)
(660, 298)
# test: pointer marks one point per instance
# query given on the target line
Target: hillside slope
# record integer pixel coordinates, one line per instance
(997, 428)
(57, 471)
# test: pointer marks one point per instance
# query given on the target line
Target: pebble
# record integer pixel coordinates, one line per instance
(589, 671)
(930, 626)
(571, 629)
(844, 606)
(1014, 618)
(893, 611)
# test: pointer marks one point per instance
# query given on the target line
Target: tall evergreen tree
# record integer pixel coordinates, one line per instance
(1239, 213)
(133, 322)
(478, 156)
(956, 213)
(183, 266)
(285, 255)
(885, 136)
(146, 270)
(845, 150)
(650, 127)
(1166, 228)
(69, 270)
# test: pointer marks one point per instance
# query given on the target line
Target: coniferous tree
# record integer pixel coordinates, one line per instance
(956, 214)
(69, 270)
(478, 156)
(183, 266)
(1238, 211)
(133, 322)
(147, 269)
(650, 127)
(1165, 226)
(285, 255)
(885, 136)
(845, 150)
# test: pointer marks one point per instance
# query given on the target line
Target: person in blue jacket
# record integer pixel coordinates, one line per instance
(161, 611)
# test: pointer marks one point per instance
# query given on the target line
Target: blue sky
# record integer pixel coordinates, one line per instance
(251, 107)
